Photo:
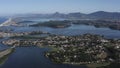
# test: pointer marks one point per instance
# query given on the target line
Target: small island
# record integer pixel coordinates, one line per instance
(53, 24)
(99, 23)
(67, 23)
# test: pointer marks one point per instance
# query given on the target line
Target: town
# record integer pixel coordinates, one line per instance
(81, 49)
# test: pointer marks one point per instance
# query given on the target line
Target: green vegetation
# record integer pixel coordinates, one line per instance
(88, 49)
(26, 22)
(111, 65)
(4, 58)
(100, 23)
(54, 24)
(97, 65)
(25, 37)
(66, 23)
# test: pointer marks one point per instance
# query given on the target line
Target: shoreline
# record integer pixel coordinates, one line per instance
(5, 55)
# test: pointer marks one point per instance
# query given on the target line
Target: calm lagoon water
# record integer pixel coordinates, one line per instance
(33, 57)
(73, 30)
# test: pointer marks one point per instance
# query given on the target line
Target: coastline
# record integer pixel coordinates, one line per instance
(5, 54)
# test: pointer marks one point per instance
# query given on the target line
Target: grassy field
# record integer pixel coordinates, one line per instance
(95, 65)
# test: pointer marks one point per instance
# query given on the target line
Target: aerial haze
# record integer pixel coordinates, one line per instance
(59, 33)
(63, 6)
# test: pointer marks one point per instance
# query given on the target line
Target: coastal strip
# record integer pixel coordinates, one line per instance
(5, 53)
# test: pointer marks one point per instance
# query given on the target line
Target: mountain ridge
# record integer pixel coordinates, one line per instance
(76, 15)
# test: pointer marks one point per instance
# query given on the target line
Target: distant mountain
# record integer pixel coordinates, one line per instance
(104, 15)
(77, 15)
(57, 15)
(96, 15)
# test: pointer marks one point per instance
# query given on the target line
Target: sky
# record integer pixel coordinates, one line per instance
(63, 6)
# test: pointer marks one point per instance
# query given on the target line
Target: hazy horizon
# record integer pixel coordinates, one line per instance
(62, 6)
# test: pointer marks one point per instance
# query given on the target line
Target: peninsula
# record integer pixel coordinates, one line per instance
(85, 49)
